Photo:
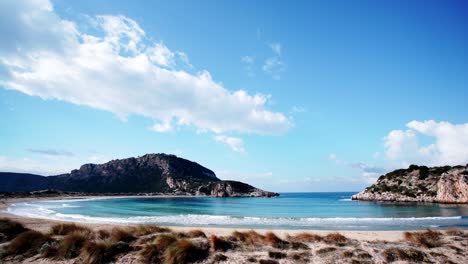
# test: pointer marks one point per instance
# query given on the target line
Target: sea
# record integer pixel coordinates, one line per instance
(314, 211)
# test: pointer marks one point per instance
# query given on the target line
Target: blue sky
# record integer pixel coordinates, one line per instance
(315, 96)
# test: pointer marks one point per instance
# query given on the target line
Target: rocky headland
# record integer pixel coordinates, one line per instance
(445, 184)
(149, 174)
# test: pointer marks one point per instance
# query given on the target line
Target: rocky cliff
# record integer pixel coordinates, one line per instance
(151, 173)
(420, 184)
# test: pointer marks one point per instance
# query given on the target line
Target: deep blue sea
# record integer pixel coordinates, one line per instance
(331, 211)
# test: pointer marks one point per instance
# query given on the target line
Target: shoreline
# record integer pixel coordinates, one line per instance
(278, 246)
(43, 224)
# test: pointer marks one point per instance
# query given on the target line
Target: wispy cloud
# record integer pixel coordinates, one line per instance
(51, 152)
(236, 144)
(248, 62)
(274, 65)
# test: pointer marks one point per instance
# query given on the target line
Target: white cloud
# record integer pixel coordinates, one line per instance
(162, 127)
(120, 71)
(236, 144)
(274, 65)
(450, 145)
(161, 55)
(332, 156)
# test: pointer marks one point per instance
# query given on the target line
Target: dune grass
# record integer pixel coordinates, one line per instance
(326, 250)
(152, 252)
(454, 232)
(67, 228)
(273, 240)
(248, 238)
(220, 244)
(305, 237)
(27, 244)
(276, 254)
(71, 244)
(428, 238)
(122, 234)
(335, 238)
(404, 254)
(143, 230)
(196, 233)
(184, 251)
(102, 251)
(10, 229)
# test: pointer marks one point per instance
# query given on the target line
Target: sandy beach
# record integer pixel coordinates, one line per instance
(288, 246)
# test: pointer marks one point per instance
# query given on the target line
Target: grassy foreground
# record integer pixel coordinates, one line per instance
(72, 243)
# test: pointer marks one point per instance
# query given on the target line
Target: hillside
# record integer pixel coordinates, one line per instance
(420, 184)
(151, 173)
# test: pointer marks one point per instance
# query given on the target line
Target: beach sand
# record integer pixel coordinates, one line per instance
(361, 246)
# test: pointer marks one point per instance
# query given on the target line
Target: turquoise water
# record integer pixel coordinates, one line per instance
(289, 211)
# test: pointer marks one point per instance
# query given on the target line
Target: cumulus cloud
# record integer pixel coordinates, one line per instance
(450, 146)
(117, 69)
(236, 144)
(274, 65)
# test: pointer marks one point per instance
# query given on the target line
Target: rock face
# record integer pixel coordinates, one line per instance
(420, 184)
(151, 173)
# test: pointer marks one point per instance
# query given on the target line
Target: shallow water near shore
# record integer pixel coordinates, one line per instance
(315, 211)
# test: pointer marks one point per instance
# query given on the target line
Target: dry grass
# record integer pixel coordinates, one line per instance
(184, 251)
(408, 254)
(248, 238)
(152, 252)
(70, 245)
(102, 251)
(49, 250)
(276, 254)
(122, 234)
(143, 230)
(10, 229)
(220, 257)
(300, 256)
(429, 238)
(335, 238)
(66, 228)
(454, 232)
(326, 250)
(220, 244)
(268, 261)
(27, 243)
(196, 233)
(103, 234)
(298, 245)
(305, 237)
(274, 241)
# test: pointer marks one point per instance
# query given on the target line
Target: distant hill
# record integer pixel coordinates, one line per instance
(420, 184)
(151, 173)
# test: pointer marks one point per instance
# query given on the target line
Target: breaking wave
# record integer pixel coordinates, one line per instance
(356, 223)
